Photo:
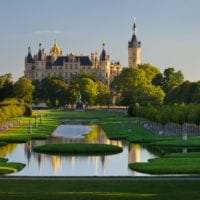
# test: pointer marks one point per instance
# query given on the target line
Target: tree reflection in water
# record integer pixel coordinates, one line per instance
(47, 165)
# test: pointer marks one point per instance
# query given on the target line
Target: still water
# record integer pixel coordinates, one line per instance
(47, 165)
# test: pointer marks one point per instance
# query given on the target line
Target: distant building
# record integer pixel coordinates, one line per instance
(42, 65)
(134, 49)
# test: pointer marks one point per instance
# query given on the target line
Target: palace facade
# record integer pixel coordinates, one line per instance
(43, 65)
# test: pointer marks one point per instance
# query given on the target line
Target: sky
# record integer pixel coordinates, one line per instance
(169, 31)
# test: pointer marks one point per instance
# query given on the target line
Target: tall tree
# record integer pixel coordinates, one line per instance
(127, 83)
(104, 95)
(88, 90)
(169, 80)
(54, 90)
(149, 94)
(150, 71)
(187, 92)
(23, 89)
(6, 86)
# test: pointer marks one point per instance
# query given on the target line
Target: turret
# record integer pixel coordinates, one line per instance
(40, 52)
(29, 58)
(104, 57)
(134, 49)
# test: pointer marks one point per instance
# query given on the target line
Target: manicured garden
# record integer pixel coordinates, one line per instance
(117, 126)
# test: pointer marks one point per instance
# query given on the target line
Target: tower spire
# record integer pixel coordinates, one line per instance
(134, 26)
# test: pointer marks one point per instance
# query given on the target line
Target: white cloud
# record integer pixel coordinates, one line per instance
(42, 32)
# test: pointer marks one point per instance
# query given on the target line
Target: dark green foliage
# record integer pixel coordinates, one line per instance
(187, 92)
(28, 110)
(169, 80)
(133, 110)
(177, 113)
(6, 86)
(57, 93)
(51, 89)
(134, 85)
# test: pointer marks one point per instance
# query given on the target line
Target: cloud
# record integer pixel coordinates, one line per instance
(43, 32)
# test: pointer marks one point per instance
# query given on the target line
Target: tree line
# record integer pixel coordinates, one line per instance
(144, 86)
(55, 92)
(176, 113)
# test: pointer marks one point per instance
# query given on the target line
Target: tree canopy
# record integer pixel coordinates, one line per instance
(169, 80)
(134, 85)
(23, 89)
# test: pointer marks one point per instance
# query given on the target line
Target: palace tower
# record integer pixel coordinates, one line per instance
(134, 49)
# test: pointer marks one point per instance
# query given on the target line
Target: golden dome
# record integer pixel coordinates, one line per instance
(56, 49)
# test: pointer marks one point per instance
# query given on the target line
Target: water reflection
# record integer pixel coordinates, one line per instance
(47, 165)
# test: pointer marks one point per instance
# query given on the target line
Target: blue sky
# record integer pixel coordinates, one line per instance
(169, 31)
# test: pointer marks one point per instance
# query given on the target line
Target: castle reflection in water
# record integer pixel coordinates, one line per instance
(44, 164)
(56, 160)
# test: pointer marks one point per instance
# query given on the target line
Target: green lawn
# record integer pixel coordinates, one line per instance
(176, 163)
(86, 190)
(9, 167)
(115, 125)
(78, 149)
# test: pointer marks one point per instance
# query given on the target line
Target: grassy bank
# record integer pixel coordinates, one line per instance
(102, 189)
(9, 167)
(78, 149)
(177, 163)
(116, 126)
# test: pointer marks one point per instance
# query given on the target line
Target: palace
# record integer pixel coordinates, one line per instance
(43, 65)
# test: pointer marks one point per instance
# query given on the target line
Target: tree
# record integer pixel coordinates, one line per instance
(6, 86)
(73, 92)
(125, 84)
(187, 92)
(23, 89)
(38, 93)
(149, 94)
(169, 80)
(50, 89)
(150, 71)
(132, 81)
(88, 90)
(103, 96)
